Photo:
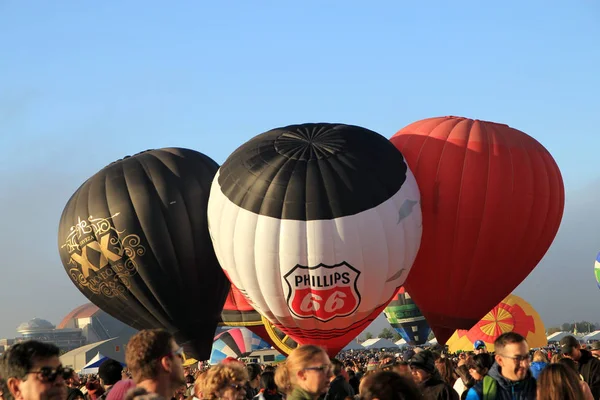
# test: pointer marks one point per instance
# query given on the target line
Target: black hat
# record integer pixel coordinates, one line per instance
(595, 346)
(568, 343)
(423, 360)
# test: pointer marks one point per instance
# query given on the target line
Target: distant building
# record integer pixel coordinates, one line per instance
(43, 331)
(95, 324)
(86, 324)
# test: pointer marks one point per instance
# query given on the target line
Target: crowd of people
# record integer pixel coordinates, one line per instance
(155, 370)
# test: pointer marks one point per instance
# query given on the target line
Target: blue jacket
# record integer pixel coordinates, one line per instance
(537, 367)
(507, 390)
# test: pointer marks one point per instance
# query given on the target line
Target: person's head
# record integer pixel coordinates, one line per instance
(253, 375)
(446, 369)
(267, 381)
(225, 381)
(199, 384)
(539, 356)
(465, 375)
(595, 349)
(31, 370)
(570, 347)
(402, 368)
(422, 366)
(512, 356)
(479, 347)
(479, 365)
(154, 355)
(388, 385)
(308, 368)
(559, 382)
(110, 372)
(337, 367)
(556, 358)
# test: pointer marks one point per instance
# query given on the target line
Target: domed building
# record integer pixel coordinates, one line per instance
(43, 331)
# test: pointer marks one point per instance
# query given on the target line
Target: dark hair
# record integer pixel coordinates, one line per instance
(144, 351)
(388, 385)
(569, 363)
(507, 338)
(337, 365)
(253, 371)
(18, 360)
(465, 376)
(479, 362)
(267, 381)
(110, 371)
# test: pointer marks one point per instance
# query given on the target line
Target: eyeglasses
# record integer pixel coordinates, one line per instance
(518, 358)
(322, 368)
(48, 374)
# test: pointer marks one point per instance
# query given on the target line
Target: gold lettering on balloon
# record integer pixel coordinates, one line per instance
(103, 259)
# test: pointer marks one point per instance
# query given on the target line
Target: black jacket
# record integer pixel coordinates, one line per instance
(436, 389)
(589, 368)
(339, 389)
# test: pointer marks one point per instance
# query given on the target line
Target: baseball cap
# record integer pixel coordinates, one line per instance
(595, 346)
(567, 344)
(479, 344)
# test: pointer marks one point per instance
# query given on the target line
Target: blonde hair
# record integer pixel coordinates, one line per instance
(539, 356)
(199, 384)
(219, 377)
(299, 358)
(556, 358)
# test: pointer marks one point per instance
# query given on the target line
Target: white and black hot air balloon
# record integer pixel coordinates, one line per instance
(318, 225)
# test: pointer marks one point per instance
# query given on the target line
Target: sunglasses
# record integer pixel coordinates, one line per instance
(48, 374)
(178, 353)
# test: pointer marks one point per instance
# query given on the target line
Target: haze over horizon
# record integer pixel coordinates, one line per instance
(86, 84)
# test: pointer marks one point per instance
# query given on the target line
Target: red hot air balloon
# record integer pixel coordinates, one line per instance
(492, 201)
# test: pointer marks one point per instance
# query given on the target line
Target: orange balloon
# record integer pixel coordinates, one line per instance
(513, 314)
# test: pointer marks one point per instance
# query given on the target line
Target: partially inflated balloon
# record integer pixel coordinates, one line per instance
(318, 226)
(134, 239)
(238, 312)
(236, 342)
(492, 201)
(405, 317)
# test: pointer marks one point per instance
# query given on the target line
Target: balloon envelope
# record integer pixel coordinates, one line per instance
(597, 269)
(134, 239)
(513, 314)
(235, 342)
(492, 201)
(318, 226)
(238, 312)
(405, 317)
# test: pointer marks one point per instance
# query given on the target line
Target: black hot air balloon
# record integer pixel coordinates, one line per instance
(134, 239)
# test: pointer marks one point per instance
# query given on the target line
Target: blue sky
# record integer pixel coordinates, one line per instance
(85, 83)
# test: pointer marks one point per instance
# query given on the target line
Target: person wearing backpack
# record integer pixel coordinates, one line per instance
(510, 377)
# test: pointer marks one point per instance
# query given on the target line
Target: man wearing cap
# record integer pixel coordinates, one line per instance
(424, 373)
(589, 367)
(479, 347)
(510, 377)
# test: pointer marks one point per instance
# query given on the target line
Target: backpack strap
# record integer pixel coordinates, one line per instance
(490, 387)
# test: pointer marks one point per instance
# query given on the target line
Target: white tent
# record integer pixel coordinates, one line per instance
(378, 343)
(433, 341)
(401, 343)
(593, 336)
(353, 346)
(557, 336)
(94, 364)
